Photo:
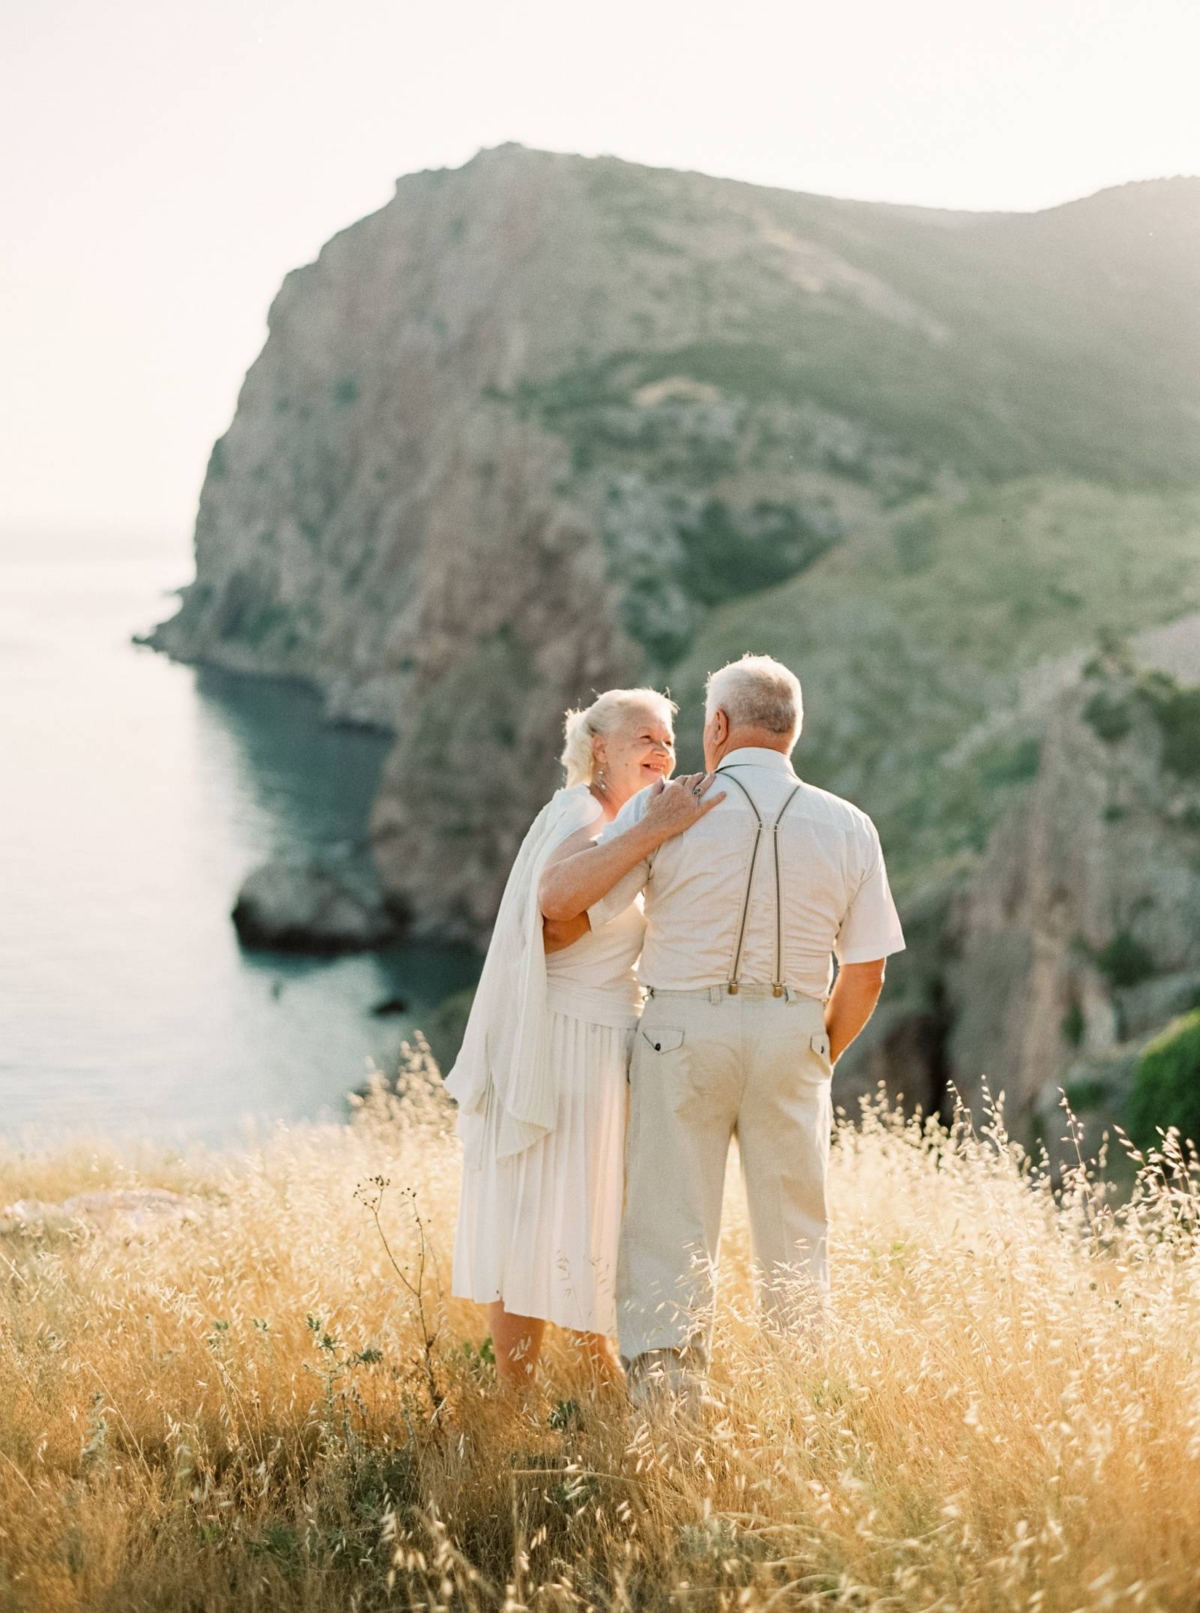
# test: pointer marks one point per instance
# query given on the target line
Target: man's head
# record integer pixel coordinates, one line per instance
(754, 701)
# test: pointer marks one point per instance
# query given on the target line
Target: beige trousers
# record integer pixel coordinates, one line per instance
(708, 1066)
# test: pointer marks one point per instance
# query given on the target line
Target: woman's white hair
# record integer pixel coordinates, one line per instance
(606, 714)
(757, 692)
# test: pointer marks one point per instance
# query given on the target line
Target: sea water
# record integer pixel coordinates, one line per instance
(135, 795)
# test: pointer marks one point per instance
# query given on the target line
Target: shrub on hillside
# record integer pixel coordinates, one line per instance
(1167, 1089)
(1125, 961)
(1177, 712)
(728, 553)
(1109, 718)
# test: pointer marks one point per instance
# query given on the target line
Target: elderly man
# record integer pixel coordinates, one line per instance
(740, 1033)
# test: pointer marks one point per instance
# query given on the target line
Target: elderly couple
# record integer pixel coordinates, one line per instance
(722, 899)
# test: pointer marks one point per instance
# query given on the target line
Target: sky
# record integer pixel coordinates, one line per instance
(163, 165)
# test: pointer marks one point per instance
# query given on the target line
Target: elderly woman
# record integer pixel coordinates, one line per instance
(541, 1078)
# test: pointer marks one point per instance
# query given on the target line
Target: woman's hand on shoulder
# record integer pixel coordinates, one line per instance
(673, 808)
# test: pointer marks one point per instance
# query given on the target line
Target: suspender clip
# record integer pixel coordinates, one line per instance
(733, 988)
(777, 990)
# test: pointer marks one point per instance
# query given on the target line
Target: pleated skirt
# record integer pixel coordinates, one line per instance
(539, 1229)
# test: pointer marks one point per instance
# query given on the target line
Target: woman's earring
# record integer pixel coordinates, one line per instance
(601, 778)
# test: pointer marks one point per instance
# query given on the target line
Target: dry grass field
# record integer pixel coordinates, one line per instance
(251, 1408)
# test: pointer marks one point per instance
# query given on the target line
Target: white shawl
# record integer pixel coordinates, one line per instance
(505, 1055)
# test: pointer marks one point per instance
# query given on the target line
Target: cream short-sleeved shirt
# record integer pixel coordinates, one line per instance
(836, 898)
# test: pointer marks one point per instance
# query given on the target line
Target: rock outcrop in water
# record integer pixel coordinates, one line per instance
(313, 905)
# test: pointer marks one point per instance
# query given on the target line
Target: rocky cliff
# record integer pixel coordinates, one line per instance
(544, 423)
(1079, 929)
(1047, 960)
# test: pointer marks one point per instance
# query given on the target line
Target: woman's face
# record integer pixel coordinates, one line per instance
(634, 755)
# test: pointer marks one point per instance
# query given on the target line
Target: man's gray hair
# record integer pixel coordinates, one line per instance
(757, 692)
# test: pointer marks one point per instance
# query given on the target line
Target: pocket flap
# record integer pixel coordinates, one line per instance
(820, 1045)
(663, 1039)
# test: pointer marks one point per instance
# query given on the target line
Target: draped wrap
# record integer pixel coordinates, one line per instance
(505, 1055)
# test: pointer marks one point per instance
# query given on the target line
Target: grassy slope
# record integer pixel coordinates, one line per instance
(904, 643)
(239, 1412)
(1001, 344)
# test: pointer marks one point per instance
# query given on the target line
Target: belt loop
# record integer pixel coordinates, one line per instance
(714, 994)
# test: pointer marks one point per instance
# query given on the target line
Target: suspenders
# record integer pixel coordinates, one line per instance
(777, 986)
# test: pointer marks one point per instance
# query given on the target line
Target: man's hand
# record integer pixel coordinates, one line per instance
(851, 1003)
(675, 807)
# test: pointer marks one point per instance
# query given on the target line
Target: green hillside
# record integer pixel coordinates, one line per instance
(1003, 345)
(908, 639)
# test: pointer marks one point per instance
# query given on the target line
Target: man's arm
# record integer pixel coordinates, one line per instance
(556, 937)
(851, 1003)
(869, 933)
(573, 881)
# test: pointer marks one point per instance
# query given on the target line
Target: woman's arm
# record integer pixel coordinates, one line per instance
(576, 878)
(557, 934)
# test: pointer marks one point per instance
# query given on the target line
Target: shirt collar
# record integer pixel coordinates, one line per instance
(759, 756)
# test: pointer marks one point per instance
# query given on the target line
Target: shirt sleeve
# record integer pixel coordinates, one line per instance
(870, 928)
(630, 885)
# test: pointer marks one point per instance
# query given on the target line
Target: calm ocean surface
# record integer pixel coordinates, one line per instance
(136, 794)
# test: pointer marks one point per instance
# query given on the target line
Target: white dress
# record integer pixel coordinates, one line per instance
(538, 1229)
